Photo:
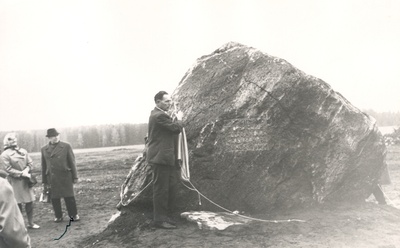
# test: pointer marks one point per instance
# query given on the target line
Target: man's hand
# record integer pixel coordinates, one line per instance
(179, 115)
(25, 173)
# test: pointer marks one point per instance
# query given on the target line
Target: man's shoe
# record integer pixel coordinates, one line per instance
(75, 218)
(165, 225)
(171, 221)
(57, 220)
(33, 226)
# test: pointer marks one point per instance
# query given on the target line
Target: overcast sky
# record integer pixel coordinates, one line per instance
(70, 63)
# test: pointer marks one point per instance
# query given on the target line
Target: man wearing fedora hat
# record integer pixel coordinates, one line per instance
(59, 174)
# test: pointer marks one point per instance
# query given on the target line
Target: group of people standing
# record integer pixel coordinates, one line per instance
(58, 176)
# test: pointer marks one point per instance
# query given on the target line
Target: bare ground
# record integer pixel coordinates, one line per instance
(102, 173)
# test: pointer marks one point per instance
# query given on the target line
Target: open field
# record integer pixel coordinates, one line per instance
(102, 172)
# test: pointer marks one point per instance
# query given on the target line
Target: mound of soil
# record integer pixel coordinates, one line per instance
(359, 225)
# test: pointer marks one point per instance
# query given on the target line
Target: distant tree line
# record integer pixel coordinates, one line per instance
(85, 136)
(385, 118)
(393, 138)
(131, 134)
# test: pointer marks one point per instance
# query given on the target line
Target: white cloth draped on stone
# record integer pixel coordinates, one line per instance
(183, 156)
(135, 183)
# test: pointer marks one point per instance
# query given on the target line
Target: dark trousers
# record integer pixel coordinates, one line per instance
(28, 210)
(69, 203)
(165, 184)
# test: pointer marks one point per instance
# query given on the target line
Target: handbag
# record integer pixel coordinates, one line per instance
(32, 181)
(45, 195)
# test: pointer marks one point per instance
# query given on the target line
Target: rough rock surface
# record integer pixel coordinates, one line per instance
(264, 135)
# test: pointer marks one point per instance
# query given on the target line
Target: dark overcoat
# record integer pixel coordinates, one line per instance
(162, 138)
(59, 169)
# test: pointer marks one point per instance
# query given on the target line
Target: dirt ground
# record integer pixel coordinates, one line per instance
(102, 173)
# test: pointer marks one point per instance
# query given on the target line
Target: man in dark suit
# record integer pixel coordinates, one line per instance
(163, 133)
(59, 174)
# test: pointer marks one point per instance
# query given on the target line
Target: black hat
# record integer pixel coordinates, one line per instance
(52, 132)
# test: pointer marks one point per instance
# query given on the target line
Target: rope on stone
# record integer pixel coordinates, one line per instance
(136, 196)
(231, 212)
(183, 156)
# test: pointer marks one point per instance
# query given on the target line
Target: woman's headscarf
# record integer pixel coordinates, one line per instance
(10, 142)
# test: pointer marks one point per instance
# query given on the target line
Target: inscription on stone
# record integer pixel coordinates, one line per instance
(245, 135)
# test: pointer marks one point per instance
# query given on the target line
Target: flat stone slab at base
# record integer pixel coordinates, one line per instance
(214, 221)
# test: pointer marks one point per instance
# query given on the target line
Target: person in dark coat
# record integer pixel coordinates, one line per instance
(59, 174)
(163, 133)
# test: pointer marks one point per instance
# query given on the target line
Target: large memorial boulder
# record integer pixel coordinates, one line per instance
(263, 135)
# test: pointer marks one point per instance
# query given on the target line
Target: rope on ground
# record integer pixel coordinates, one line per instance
(205, 197)
(231, 212)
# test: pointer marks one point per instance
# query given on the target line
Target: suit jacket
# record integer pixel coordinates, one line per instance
(13, 233)
(162, 138)
(59, 169)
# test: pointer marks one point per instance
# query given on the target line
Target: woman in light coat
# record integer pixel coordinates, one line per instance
(18, 164)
